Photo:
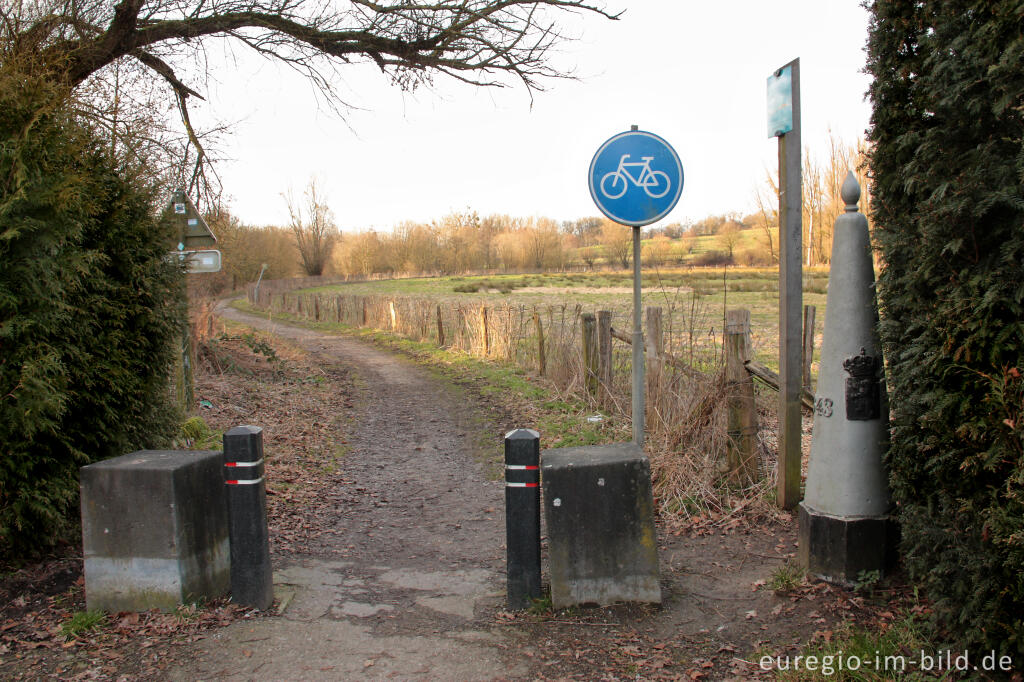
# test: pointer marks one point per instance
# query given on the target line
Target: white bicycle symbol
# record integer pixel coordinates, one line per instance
(615, 183)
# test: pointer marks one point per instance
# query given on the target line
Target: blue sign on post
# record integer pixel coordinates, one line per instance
(636, 178)
(780, 102)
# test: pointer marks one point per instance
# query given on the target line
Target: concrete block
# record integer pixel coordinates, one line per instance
(154, 530)
(600, 523)
(838, 550)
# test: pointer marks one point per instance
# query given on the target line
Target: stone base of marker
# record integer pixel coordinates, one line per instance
(154, 530)
(600, 524)
(839, 550)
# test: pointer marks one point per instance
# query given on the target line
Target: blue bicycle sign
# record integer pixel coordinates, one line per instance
(655, 183)
(636, 178)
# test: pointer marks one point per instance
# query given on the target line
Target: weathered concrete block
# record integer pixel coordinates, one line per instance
(600, 522)
(154, 530)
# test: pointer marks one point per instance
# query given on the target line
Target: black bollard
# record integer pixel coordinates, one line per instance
(252, 580)
(522, 516)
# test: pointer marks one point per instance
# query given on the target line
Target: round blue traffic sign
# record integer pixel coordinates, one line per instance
(636, 178)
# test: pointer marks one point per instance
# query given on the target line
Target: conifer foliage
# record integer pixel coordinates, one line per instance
(88, 307)
(948, 170)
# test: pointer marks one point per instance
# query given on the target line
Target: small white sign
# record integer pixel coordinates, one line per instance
(179, 208)
(207, 260)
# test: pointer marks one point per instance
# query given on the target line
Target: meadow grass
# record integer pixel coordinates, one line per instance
(694, 300)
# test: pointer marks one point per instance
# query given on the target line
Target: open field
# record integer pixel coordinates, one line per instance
(693, 300)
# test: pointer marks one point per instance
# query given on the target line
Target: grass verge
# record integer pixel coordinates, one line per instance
(897, 650)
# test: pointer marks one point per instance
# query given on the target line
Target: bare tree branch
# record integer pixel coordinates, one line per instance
(479, 42)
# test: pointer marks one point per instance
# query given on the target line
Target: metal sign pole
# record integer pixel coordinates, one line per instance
(639, 407)
(639, 403)
(636, 179)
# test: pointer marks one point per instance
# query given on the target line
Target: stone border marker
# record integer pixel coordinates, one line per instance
(846, 522)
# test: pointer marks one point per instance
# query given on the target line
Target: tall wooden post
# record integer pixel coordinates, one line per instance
(790, 300)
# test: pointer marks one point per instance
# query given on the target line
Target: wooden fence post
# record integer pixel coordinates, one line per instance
(364, 313)
(484, 331)
(316, 307)
(590, 378)
(604, 351)
(741, 455)
(654, 340)
(654, 350)
(440, 328)
(541, 360)
(337, 306)
(809, 311)
(394, 315)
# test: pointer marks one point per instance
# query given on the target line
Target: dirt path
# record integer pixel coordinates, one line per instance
(409, 583)
(394, 591)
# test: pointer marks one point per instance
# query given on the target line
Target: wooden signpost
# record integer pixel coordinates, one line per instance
(784, 123)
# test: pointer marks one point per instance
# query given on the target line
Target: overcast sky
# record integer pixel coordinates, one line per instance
(692, 72)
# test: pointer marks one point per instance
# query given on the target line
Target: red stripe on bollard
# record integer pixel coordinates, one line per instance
(244, 464)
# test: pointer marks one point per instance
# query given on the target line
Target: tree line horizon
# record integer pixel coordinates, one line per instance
(311, 244)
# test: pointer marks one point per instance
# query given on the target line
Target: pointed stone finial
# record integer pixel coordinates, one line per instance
(850, 192)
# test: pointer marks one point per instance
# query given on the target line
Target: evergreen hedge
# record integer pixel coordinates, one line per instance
(88, 309)
(948, 205)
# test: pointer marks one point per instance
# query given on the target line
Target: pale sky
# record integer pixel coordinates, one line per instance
(692, 72)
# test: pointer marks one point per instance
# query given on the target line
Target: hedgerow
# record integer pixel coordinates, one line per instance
(948, 170)
(88, 308)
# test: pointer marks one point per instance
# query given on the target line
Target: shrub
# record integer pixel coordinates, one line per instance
(753, 257)
(948, 168)
(712, 258)
(88, 306)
